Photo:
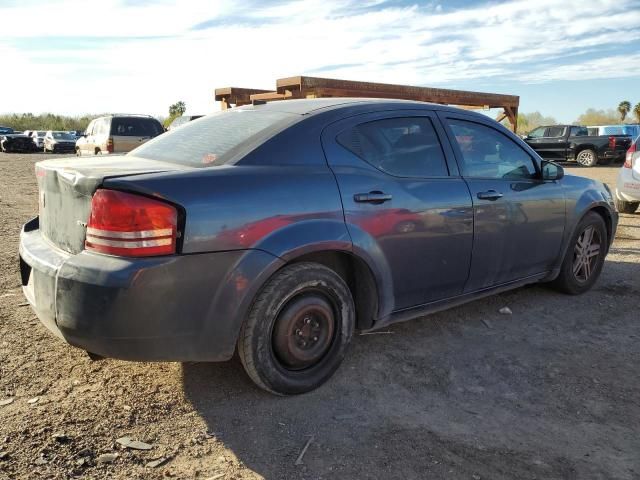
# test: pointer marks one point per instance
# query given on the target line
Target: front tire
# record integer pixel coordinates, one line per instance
(587, 158)
(298, 329)
(584, 258)
(626, 207)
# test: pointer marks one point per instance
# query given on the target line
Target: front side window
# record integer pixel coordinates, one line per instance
(537, 133)
(402, 147)
(487, 153)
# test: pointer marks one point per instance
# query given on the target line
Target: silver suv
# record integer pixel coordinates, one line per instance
(117, 134)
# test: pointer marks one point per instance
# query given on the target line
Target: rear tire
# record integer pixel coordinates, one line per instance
(587, 158)
(298, 329)
(584, 258)
(626, 207)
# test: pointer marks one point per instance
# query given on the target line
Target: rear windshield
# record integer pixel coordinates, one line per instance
(215, 139)
(135, 127)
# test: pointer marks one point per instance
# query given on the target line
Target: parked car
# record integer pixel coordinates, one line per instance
(627, 194)
(117, 134)
(6, 130)
(59, 142)
(17, 142)
(182, 120)
(38, 138)
(631, 130)
(256, 229)
(573, 143)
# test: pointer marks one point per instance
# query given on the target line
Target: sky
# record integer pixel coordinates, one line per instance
(140, 56)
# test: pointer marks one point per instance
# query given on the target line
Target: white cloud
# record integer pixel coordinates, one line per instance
(252, 46)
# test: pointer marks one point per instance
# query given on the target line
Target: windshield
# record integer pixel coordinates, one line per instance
(215, 139)
(63, 136)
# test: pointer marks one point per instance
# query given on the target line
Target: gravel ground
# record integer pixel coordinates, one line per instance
(550, 391)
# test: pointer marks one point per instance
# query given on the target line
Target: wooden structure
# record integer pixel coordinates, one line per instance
(236, 96)
(314, 87)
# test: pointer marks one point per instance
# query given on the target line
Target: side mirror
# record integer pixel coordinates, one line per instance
(551, 171)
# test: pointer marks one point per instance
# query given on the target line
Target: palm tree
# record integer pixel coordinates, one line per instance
(624, 108)
(636, 111)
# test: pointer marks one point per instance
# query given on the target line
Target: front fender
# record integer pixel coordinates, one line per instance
(581, 199)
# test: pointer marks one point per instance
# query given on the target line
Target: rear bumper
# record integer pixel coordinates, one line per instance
(627, 187)
(174, 308)
(613, 154)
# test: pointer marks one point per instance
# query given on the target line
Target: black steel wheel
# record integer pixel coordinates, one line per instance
(298, 329)
(584, 257)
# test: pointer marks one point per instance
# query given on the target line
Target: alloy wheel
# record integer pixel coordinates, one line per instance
(586, 158)
(585, 254)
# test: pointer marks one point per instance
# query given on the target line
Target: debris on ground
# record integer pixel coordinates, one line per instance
(304, 450)
(505, 311)
(159, 462)
(217, 476)
(127, 442)
(6, 401)
(107, 457)
(33, 400)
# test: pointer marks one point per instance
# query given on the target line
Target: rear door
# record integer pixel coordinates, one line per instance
(552, 145)
(518, 217)
(131, 132)
(405, 205)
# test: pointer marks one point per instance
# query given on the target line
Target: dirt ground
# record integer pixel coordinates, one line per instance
(549, 392)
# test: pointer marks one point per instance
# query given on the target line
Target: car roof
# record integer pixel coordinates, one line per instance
(309, 106)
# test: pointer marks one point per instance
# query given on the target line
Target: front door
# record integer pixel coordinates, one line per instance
(519, 218)
(404, 203)
(549, 142)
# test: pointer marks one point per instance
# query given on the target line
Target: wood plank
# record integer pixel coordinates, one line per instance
(335, 87)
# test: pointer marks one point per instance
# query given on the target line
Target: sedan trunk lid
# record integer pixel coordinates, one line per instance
(65, 189)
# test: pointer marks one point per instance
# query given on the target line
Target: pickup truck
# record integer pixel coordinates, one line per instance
(573, 143)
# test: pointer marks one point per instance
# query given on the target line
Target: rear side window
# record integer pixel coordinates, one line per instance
(135, 127)
(402, 147)
(579, 132)
(215, 139)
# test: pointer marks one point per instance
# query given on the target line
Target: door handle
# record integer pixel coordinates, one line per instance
(489, 195)
(372, 197)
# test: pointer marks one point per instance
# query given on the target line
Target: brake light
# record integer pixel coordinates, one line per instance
(612, 143)
(628, 159)
(131, 225)
(110, 145)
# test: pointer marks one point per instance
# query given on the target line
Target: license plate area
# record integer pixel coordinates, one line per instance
(25, 272)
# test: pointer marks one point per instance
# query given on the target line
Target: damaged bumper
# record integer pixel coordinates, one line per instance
(173, 308)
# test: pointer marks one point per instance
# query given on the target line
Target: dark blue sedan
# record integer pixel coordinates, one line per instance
(281, 228)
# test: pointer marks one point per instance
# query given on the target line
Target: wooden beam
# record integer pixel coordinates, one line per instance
(235, 95)
(350, 88)
(512, 114)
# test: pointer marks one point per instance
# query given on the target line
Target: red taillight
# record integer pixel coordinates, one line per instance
(628, 159)
(131, 225)
(612, 143)
(110, 145)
